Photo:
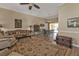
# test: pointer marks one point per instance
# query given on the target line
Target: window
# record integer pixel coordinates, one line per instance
(18, 23)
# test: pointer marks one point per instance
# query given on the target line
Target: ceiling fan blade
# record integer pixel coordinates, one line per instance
(30, 7)
(36, 6)
(24, 3)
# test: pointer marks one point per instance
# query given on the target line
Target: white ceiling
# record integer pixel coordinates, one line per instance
(47, 10)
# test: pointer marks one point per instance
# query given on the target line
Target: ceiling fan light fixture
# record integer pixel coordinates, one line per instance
(31, 5)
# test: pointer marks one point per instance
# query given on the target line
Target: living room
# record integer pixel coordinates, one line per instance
(39, 29)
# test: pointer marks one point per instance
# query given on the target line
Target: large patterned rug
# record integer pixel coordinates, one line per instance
(38, 47)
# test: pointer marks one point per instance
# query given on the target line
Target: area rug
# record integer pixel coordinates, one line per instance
(37, 47)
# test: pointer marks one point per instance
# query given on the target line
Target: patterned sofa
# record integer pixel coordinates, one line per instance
(18, 33)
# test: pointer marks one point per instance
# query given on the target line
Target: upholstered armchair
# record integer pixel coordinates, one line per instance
(6, 41)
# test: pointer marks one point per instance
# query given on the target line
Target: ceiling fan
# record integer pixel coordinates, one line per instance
(30, 5)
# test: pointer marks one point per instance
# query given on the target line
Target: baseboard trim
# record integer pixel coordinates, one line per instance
(75, 45)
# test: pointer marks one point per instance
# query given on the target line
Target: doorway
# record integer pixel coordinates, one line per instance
(53, 27)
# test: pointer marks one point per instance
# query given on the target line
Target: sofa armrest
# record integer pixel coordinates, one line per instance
(10, 37)
(4, 39)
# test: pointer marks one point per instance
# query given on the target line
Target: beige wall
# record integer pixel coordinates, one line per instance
(7, 18)
(69, 11)
(54, 20)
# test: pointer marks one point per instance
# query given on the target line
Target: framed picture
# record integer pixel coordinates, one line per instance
(36, 28)
(18, 23)
(73, 22)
